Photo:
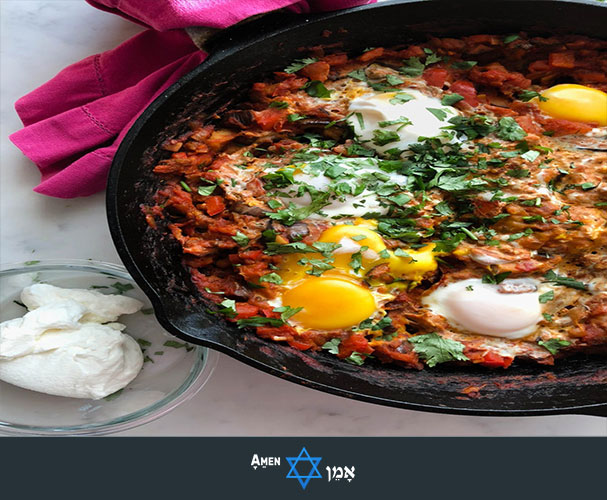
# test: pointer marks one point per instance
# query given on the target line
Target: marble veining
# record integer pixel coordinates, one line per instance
(39, 38)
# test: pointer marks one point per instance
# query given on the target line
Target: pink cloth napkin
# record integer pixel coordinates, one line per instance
(74, 123)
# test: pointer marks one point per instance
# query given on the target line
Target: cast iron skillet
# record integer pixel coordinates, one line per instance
(246, 54)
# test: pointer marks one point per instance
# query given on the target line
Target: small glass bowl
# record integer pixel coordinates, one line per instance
(172, 374)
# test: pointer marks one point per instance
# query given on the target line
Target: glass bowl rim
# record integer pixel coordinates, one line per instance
(198, 377)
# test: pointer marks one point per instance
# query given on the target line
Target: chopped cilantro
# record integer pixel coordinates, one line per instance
(206, 190)
(527, 95)
(317, 89)
(358, 74)
(356, 358)
(439, 113)
(412, 67)
(332, 346)
(451, 99)
(401, 98)
(271, 278)
(509, 130)
(546, 297)
(241, 239)
(435, 349)
(259, 321)
(383, 137)
(279, 104)
(394, 80)
(298, 64)
(552, 277)
(496, 279)
(554, 345)
(287, 311)
(463, 64)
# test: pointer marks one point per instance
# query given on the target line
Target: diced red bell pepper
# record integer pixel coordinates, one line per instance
(246, 310)
(495, 360)
(436, 77)
(215, 205)
(466, 90)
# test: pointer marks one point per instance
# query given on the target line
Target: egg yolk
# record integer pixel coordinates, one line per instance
(415, 264)
(576, 103)
(353, 238)
(330, 303)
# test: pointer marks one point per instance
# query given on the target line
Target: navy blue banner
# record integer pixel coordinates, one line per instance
(294, 468)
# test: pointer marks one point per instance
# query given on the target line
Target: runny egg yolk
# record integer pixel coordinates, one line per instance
(329, 303)
(352, 239)
(360, 239)
(576, 103)
(415, 263)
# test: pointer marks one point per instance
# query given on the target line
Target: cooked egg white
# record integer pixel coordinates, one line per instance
(486, 309)
(356, 173)
(413, 114)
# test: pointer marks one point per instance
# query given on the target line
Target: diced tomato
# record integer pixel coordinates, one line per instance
(316, 71)
(354, 343)
(302, 346)
(336, 59)
(371, 54)
(271, 118)
(436, 77)
(495, 360)
(466, 90)
(215, 205)
(528, 125)
(246, 310)
(562, 60)
(539, 66)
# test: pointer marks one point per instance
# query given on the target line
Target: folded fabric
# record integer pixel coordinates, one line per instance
(74, 123)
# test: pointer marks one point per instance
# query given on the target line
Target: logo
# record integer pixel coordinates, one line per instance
(304, 467)
(304, 457)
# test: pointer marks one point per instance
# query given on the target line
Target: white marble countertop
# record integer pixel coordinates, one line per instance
(39, 38)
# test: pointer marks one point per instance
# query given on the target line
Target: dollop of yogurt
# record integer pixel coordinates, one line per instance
(61, 348)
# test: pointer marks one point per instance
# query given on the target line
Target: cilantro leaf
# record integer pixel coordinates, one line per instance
(546, 297)
(401, 98)
(358, 74)
(464, 64)
(260, 321)
(298, 64)
(439, 113)
(271, 278)
(383, 137)
(241, 239)
(450, 99)
(527, 95)
(332, 346)
(509, 130)
(412, 67)
(495, 279)
(317, 89)
(554, 345)
(552, 277)
(435, 349)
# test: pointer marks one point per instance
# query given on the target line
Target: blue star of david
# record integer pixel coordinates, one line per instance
(304, 456)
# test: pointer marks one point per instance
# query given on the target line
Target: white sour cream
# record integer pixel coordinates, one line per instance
(60, 347)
